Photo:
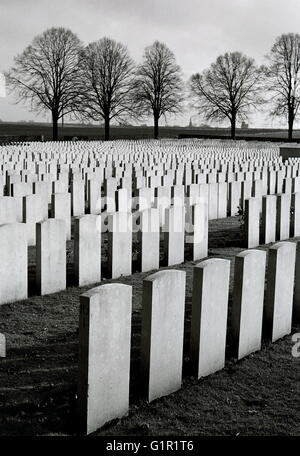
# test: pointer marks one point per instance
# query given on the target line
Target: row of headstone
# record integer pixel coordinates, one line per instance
(51, 243)
(105, 327)
(50, 259)
(279, 219)
(129, 176)
(50, 238)
(98, 175)
(32, 209)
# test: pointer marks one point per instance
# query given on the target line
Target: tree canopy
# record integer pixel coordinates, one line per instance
(106, 71)
(283, 78)
(228, 89)
(46, 74)
(158, 84)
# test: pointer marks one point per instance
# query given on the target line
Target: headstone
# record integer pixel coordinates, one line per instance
(269, 203)
(283, 216)
(248, 302)
(61, 209)
(148, 237)
(119, 244)
(94, 196)
(280, 286)
(197, 234)
(144, 198)
(295, 218)
(246, 192)
(174, 235)
(258, 192)
(162, 333)
(287, 185)
(11, 209)
(272, 182)
(50, 256)
(77, 198)
(13, 265)
(87, 249)
(2, 346)
(296, 307)
(162, 202)
(213, 195)
(123, 200)
(252, 208)
(209, 316)
(104, 355)
(35, 209)
(177, 195)
(234, 198)
(222, 200)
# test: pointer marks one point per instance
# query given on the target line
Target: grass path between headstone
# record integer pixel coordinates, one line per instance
(258, 395)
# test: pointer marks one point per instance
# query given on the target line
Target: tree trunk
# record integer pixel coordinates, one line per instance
(291, 123)
(106, 124)
(54, 126)
(155, 127)
(233, 124)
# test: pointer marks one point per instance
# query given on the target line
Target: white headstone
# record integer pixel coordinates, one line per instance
(104, 355)
(162, 333)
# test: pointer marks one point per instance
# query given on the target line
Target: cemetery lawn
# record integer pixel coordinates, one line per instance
(256, 396)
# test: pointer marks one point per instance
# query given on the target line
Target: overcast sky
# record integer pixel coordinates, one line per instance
(197, 31)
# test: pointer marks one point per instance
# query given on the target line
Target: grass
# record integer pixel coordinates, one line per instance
(23, 131)
(256, 396)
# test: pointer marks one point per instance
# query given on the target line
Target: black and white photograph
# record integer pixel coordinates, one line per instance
(149, 222)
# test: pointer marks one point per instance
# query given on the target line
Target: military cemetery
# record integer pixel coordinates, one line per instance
(130, 207)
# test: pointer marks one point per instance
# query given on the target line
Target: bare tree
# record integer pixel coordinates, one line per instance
(283, 78)
(106, 82)
(228, 89)
(45, 74)
(158, 84)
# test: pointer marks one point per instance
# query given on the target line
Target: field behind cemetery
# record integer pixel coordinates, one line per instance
(256, 396)
(25, 130)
